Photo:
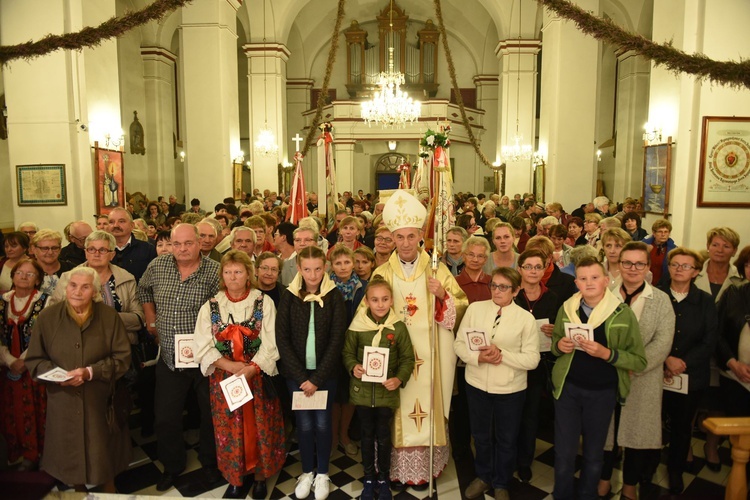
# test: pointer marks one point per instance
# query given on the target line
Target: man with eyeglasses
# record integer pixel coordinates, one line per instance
(46, 245)
(172, 290)
(74, 251)
(131, 254)
(283, 240)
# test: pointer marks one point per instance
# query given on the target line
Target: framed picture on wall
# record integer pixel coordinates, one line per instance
(724, 174)
(41, 185)
(109, 178)
(657, 166)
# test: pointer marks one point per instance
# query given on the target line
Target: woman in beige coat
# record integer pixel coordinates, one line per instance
(85, 443)
(639, 429)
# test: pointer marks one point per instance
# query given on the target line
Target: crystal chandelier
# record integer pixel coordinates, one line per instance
(266, 143)
(517, 150)
(391, 106)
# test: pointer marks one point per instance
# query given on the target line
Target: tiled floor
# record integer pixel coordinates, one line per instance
(346, 473)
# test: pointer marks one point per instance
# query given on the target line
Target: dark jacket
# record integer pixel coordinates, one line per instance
(73, 254)
(292, 319)
(563, 284)
(640, 234)
(733, 311)
(135, 257)
(695, 334)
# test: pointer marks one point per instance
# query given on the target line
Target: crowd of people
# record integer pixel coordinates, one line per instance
(527, 304)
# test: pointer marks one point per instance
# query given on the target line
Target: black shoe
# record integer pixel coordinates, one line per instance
(259, 490)
(420, 487)
(524, 474)
(166, 481)
(398, 486)
(211, 475)
(713, 467)
(675, 483)
(234, 492)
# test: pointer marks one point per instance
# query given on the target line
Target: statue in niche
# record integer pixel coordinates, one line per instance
(136, 136)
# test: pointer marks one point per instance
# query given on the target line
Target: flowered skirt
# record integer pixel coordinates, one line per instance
(264, 450)
(24, 410)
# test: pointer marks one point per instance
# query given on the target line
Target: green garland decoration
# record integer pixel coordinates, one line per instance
(89, 37)
(731, 73)
(454, 84)
(311, 139)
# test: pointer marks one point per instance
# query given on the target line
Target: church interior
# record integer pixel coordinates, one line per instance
(554, 112)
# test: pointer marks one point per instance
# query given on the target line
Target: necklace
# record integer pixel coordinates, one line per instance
(238, 299)
(531, 303)
(19, 314)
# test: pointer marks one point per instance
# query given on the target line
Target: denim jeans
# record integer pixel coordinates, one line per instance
(579, 412)
(314, 430)
(376, 426)
(494, 462)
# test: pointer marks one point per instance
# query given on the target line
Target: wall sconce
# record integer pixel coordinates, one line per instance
(598, 155)
(240, 158)
(182, 157)
(392, 145)
(651, 133)
(114, 142)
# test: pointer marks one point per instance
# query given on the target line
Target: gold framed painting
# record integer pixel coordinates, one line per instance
(724, 174)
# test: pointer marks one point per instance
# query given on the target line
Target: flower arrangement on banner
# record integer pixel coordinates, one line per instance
(326, 127)
(433, 140)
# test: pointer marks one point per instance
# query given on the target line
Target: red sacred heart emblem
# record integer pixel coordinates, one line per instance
(731, 159)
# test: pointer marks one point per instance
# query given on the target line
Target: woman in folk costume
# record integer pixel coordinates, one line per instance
(414, 300)
(234, 336)
(24, 401)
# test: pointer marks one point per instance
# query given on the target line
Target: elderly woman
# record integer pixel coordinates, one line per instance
(694, 342)
(384, 245)
(631, 221)
(45, 246)
(269, 267)
(25, 403)
(592, 230)
(639, 429)
(543, 304)
(576, 235)
(488, 212)
(234, 337)
(16, 245)
(660, 244)
(496, 379)
(87, 439)
(503, 210)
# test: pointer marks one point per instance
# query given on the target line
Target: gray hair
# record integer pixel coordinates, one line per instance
(85, 271)
(213, 223)
(241, 228)
(101, 236)
(29, 223)
(601, 200)
(581, 252)
(476, 241)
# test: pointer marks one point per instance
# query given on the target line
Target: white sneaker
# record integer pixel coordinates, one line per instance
(322, 486)
(304, 483)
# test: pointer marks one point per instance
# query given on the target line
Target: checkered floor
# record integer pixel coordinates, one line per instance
(346, 474)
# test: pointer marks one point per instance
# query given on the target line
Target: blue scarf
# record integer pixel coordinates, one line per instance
(347, 287)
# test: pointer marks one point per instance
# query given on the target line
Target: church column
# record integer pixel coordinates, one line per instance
(346, 178)
(517, 106)
(158, 79)
(487, 99)
(266, 73)
(567, 126)
(47, 101)
(632, 113)
(208, 73)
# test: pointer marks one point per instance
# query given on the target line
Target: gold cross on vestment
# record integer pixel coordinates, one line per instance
(417, 363)
(418, 415)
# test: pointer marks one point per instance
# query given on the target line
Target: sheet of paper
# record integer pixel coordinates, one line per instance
(315, 402)
(375, 363)
(55, 375)
(579, 331)
(730, 374)
(676, 383)
(184, 351)
(545, 343)
(236, 391)
(476, 338)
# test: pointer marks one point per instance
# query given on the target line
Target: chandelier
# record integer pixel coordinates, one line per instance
(390, 106)
(266, 143)
(517, 150)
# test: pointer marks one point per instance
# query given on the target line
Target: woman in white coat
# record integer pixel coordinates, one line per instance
(499, 343)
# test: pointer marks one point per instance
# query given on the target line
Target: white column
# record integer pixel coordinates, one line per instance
(632, 113)
(266, 73)
(487, 99)
(47, 108)
(208, 51)
(158, 123)
(346, 178)
(517, 100)
(568, 110)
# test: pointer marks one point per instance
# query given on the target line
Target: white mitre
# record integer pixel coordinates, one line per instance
(403, 210)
